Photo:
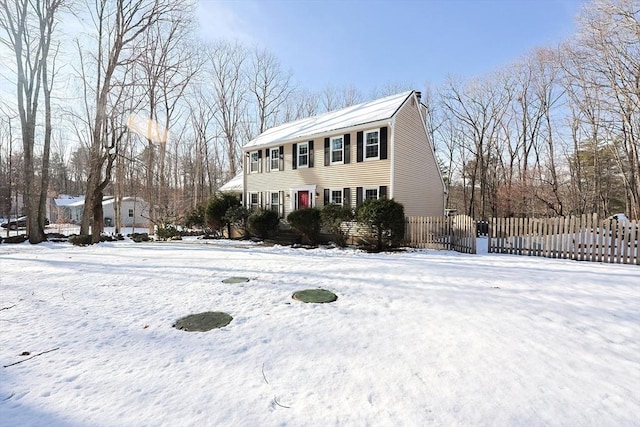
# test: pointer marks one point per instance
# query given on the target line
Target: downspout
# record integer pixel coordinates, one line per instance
(392, 177)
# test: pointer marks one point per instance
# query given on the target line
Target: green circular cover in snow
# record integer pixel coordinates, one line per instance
(235, 280)
(315, 295)
(203, 322)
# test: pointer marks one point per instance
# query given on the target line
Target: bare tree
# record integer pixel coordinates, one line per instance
(270, 87)
(119, 27)
(227, 61)
(607, 49)
(29, 27)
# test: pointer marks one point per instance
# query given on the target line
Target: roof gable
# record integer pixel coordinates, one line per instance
(367, 112)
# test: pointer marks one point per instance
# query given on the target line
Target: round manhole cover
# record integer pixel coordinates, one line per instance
(203, 322)
(315, 296)
(235, 280)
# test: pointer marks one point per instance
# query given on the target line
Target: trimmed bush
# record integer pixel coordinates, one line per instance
(217, 210)
(384, 221)
(333, 216)
(263, 223)
(167, 232)
(306, 221)
(196, 218)
(238, 216)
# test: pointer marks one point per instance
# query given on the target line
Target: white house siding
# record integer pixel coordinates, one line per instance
(373, 173)
(417, 183)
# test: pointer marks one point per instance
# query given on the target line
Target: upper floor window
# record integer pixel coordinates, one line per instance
(372, 144)
(337, 147)
(254, 161)
(130, 213)
(275, 159)
(303, 154)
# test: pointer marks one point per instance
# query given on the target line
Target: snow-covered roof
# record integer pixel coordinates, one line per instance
(235, 184)
(79, 201)
(367, 112)
(65, 200)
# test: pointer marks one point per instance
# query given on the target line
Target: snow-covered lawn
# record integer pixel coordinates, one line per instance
(415, 338)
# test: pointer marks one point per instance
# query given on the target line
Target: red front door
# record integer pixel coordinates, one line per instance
(303, 199)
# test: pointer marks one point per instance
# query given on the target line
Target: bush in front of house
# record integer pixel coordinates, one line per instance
(306, 221)
(263, 223)
(238, 216)
(384, 221)
(333, 217)
(196, 218)
(167, 232)
(217, 209)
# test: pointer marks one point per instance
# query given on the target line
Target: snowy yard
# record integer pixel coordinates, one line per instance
(416, 338)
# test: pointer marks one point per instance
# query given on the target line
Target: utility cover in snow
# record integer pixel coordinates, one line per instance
(203, 322)
(235, 280)
(315, 296)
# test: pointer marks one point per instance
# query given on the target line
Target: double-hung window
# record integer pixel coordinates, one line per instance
(372, 144)
(370, 193)
(336, 197)
(275, 159)
(274, 201)
(254, 200)
(337, 146)
(303, 155)
(254, 160)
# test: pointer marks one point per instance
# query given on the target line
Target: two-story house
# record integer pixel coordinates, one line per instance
(370, 150)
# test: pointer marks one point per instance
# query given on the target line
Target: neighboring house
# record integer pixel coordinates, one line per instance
(371, 150)
(134, 211)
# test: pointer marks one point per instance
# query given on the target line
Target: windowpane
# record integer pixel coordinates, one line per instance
(336, 150)
(371, 193)
(130, 213)
(371, 144)
(275, 201)
(303, 154)
(254, 162)
(336, 197)
(275, 159)
(255, 200)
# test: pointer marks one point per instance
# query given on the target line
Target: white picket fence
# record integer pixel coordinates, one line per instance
(583, 238)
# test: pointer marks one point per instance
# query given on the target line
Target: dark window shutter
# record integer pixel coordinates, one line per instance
(326, 196)
(259, 160)
(294, 162)
(268, 159)
(310, 154)
(382, 192)
(358, 196)
(281, 158)
(327, 152)
(383, 143)
(359, 148)
(346, 197)
(347, 148)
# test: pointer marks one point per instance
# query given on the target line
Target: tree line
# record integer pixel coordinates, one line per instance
(154, 112)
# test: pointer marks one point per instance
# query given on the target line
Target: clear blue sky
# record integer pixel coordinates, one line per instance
(372, 43)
